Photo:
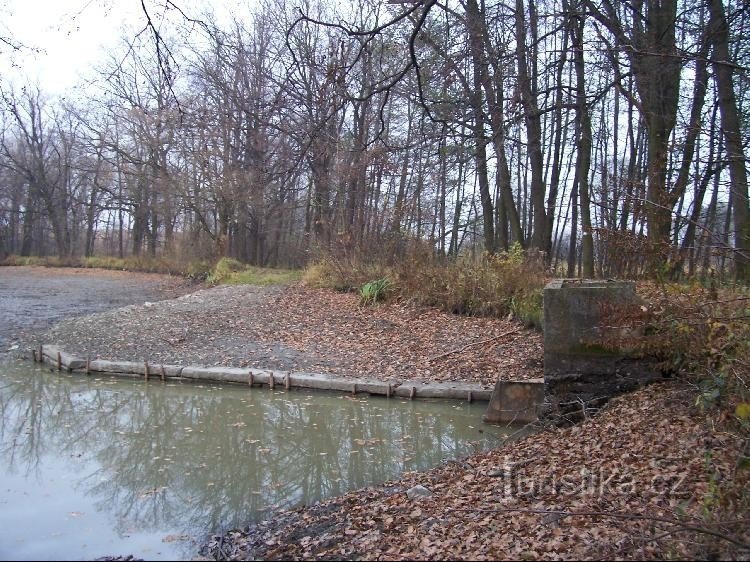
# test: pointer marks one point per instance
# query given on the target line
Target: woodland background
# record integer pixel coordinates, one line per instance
(609, 137)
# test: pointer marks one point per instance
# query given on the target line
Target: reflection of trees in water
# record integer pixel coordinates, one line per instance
(199, 457)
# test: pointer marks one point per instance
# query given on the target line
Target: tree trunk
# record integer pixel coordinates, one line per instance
(532, 119)
(730, 126)
(583, 163)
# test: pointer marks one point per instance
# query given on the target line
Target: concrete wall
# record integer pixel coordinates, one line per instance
(591, 334)
(515, 402)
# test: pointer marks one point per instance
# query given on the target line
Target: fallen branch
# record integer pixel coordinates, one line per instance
(460, 349)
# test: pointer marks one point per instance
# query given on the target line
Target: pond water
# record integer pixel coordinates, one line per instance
(101, 466)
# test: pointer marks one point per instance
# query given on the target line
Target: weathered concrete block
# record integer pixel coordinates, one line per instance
(322, 381)
(131, 368)
(67, 361)
(515, 402)
(218, 374)
(455, 391)
(591, 327)
(592, 330)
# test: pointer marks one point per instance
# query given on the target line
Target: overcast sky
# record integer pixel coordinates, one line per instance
(65, 39)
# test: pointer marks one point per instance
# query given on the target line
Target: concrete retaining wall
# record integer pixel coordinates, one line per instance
(516, 402)
(592, 329)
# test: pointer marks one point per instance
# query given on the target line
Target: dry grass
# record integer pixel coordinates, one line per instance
(229, 271)
(507, 283)
(193, 270)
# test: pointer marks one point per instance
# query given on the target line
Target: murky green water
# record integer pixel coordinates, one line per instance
(102, 466)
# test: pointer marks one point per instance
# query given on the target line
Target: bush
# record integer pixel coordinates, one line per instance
(528, 307)
(196, 271)
(230, 271)
(23, 260)
(223, 269)
(702, 335)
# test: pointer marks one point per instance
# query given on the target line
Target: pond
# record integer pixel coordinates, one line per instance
(101, 466)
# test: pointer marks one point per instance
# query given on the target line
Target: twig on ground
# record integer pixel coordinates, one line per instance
(468, 345)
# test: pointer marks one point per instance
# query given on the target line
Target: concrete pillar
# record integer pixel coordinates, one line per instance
(592, 331)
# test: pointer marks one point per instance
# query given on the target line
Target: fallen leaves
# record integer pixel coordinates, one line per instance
(628, 483)
(299, 328)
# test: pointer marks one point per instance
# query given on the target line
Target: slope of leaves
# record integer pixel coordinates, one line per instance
(646, 479)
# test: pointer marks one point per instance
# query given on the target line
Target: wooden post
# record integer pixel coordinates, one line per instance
(469, 397)
(354, 389)
(388, 391)
(287, 381)
(145, 369)
(271, 380)
(59, 361)
(33, 353)
(412, 392)
(88, 365)
(163, 373)
(250, 379)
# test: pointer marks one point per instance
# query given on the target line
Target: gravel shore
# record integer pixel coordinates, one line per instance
(32, 299)
(303, 329)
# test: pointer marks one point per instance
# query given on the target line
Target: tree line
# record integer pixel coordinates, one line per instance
(608, 135)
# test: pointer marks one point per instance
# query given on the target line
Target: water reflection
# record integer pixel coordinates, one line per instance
(194, 458)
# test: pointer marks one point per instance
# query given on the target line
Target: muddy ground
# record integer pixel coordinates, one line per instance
(32, 299)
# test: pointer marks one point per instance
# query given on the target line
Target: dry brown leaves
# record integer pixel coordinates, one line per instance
(298, 328)
(397, 340)
(648, 455)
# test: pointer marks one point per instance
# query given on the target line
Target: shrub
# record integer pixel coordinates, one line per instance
(374, 291)
(230, 271)
(104, 262)
(198, 271)
(223, 269)
(23, 260)
(528, 307)
(252, 275)
(194, 270)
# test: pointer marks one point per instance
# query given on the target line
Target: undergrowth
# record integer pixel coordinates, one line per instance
(498, 285)
(226, 271)
(229, 271)
(374, 291)
(193, 270)
(702, 335)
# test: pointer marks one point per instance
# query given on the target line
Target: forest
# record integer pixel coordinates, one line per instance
(608, 136)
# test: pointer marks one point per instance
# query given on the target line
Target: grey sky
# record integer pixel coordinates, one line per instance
(65, 39)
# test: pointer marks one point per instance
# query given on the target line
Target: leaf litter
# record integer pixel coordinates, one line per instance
(630, 483)
(301, 328)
